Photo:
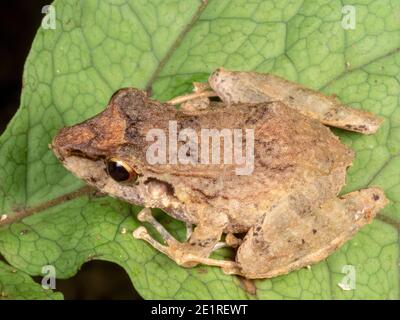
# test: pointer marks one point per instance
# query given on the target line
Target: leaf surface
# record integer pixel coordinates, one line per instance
(17, 285)
(100, 46)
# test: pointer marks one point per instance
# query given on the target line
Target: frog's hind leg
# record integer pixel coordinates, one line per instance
(251, 87)
(291, 236)
(203, 241)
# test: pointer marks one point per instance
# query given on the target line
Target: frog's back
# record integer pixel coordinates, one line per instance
(286, 143)
(289, 150)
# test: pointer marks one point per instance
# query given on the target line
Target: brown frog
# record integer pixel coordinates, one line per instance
(284, 214)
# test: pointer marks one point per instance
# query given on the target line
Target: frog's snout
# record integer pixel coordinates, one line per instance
(71, 141)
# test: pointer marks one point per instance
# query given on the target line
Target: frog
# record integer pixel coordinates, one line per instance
(285, 215)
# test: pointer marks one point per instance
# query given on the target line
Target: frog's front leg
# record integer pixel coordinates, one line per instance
(203, 241)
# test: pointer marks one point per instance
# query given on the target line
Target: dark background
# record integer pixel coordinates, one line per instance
(19, 21)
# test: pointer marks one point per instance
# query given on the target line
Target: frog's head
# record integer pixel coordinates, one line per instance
(108, 150)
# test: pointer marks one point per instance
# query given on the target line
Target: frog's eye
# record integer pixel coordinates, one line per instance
(120, 171)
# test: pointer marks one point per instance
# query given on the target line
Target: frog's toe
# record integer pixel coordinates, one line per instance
(139, 233)
(142, 234)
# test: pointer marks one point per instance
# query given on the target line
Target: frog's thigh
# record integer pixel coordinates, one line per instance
(291, 239)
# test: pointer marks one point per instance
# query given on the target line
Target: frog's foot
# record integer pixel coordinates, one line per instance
(187, 254)
(185, 259)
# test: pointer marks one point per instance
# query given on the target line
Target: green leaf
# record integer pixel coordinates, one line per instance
(100, 46)
(17, 285)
